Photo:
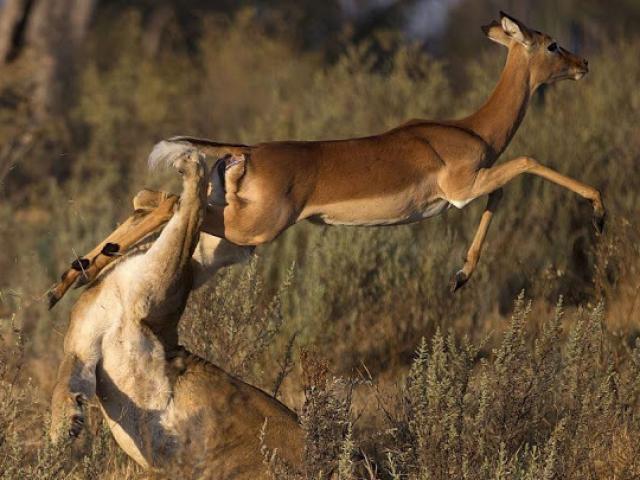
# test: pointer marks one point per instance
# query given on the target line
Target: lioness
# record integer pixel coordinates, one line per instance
(159, 400)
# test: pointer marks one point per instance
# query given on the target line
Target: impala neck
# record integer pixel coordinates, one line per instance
(499, 118)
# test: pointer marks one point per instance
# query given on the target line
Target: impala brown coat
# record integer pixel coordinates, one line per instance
(412, 172)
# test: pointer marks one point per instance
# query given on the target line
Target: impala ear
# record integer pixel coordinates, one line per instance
(515, 29)
(494, 32)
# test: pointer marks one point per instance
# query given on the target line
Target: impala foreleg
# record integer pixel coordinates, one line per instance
(490, 179)
(584, 190)
(473, 254)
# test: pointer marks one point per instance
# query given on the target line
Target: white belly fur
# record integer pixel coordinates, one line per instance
(370, 219)
(436, 208)
(460, 204)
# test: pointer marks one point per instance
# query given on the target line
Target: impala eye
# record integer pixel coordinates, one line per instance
(553, 47)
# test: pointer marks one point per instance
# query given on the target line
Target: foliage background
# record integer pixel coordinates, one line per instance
(494, 390)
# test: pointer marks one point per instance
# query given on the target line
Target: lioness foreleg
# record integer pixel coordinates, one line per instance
(76, 384)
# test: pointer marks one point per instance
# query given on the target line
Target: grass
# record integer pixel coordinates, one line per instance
(536, 388)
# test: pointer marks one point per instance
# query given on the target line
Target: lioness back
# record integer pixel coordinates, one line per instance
(235, 420)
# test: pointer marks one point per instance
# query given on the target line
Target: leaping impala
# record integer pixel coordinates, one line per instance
(412, 172)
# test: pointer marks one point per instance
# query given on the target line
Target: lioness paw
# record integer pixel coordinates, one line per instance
(190, 164)
(76, 415)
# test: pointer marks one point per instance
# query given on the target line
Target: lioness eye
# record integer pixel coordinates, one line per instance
(553, 47)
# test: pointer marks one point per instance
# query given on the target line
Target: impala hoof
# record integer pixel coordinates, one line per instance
(53, 299)
(110, 249)
(598, 222)
(458, 281)
(80, 264)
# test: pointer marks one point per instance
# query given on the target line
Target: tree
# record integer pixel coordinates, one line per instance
(44, 36)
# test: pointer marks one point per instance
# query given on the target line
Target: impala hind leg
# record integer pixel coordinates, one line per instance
(473, 254)
(157, 206)
(134, 229)
(248, 223)
(124, 238)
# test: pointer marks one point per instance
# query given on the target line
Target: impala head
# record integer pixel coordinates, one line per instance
(547, 60)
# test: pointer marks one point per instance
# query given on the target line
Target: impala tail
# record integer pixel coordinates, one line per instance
(166, 152)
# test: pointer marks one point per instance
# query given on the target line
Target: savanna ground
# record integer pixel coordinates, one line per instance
(531, 371)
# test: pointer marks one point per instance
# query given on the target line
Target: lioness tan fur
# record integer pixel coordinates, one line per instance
(160, 401)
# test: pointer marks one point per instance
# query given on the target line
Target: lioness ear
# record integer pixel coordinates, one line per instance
(495, 32)
(515, 29)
